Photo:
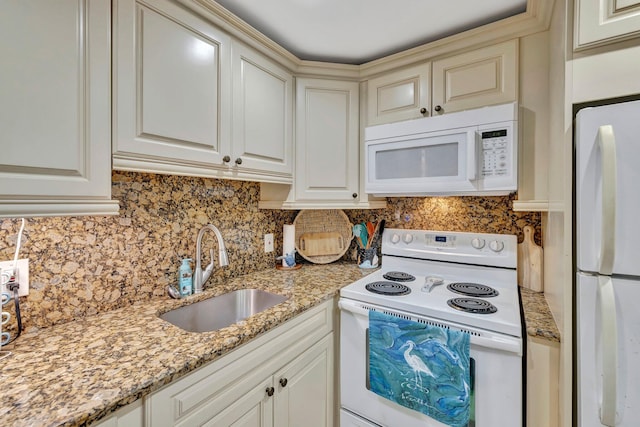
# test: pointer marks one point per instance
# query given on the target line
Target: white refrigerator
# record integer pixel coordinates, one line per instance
(607, 297)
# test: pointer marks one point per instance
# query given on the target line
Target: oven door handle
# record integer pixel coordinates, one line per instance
(494, 341)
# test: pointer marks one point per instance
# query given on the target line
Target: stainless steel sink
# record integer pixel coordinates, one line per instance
(221, 311)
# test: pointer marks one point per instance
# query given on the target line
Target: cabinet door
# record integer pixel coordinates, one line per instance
(399, 95)
(327, 153)
(54, 108)
(304, 395)
(475, 79)
(263, 110)
(605, 21)
(172, 88)
(252, 409)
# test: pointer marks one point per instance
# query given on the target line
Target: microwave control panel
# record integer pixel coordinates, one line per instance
(495, 153)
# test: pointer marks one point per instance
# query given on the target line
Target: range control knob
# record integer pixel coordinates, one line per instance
(395, 238)
(477, 243)
(496, 245)
(408, 238)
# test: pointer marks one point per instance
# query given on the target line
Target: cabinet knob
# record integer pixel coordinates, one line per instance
(438, 108)
(354, 195)
(238, 161)
(226, 159)
(270, 391)
(423, 111)
(283, 382)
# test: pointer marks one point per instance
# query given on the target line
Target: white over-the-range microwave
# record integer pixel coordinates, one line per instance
(472, 152)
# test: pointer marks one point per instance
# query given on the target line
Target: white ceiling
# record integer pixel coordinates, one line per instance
(358, 31)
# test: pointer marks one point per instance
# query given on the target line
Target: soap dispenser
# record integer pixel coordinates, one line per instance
(185, 278)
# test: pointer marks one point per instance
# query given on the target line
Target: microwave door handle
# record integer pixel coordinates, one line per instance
(472, 147)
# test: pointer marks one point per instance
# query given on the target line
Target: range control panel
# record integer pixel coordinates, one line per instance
(495, 153)
(471, 248)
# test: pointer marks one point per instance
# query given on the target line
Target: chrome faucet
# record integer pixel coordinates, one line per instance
(201, 277)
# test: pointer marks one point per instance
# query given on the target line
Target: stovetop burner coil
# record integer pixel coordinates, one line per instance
(398, 276)
(472, 289)
(472, 305)
(388, 288)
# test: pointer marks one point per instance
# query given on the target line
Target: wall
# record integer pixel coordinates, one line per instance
(80, 266)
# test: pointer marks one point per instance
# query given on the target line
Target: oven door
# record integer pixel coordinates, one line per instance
(496, 362)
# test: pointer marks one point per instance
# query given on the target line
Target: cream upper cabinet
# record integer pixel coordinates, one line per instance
(328, 151)
(399, 95)
(190, 100)
(172, 89)
(485, 76)
(604, 21)
(262, 113)
(477, 78)
(327, 140)
(54, 108)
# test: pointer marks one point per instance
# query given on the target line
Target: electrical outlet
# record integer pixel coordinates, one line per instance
(268, 242)
(22, 276)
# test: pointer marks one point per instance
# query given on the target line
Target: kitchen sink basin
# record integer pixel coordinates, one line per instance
(221, 311)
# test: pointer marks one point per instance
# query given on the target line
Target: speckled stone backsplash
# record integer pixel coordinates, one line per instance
(80, 266)
(469, 214)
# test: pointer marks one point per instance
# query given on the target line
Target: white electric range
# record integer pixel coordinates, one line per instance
(461, 281)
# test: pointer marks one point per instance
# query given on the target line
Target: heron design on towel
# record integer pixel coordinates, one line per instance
(421, 366)
(415, 363)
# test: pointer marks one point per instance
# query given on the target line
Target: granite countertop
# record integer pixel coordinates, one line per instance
(74, 373)
(538, 319)
(77, 372)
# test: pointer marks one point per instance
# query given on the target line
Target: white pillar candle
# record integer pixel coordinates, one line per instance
(288, 240)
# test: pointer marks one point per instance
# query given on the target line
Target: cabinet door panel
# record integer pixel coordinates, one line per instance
(482, 77)
(327, 140)
(263, 110)
(307, 397)
(605, 21)
(398, 95)
(252, 409)
(179, 91)
(172, 83)
(54, 103)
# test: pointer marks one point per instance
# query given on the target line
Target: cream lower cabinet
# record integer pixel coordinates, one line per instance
(283, 378)
(177, 78)
(543, 375)
(54, 108)
(599, 22)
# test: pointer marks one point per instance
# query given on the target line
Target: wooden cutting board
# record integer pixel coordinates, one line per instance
(530, 262)
(320, 244)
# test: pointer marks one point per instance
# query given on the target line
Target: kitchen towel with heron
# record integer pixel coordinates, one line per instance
(421, 366)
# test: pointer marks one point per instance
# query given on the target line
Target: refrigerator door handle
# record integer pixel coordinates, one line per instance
(609, 340)
(607, 145)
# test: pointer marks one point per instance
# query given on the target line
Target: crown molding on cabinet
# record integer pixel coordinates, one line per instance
(536, 18)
